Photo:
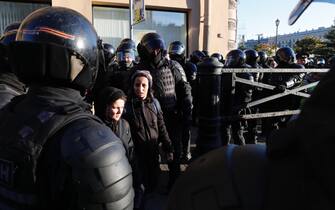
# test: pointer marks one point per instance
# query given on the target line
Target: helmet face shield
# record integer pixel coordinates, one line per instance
(153, 45)
(127, 56)
(57, 36)
(176, 48)
(235, 59)
(285, 55)
(62, 27)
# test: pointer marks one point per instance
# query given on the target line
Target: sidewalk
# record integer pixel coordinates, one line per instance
(158, 200)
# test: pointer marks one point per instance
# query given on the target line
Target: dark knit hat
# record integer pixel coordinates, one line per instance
(105, 97)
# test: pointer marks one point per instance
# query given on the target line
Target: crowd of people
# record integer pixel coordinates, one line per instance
(58, 155)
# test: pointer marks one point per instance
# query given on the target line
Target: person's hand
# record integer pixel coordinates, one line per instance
(280, 88)
(169, 156)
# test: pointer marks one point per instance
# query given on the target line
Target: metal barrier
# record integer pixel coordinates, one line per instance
(294, 91)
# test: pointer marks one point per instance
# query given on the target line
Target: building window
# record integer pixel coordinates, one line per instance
(112, 25)
(11, 12)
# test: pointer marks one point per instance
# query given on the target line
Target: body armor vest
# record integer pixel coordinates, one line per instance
(22, 137)
(164, 87)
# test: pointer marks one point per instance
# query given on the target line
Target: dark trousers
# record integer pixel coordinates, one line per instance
(172, 123)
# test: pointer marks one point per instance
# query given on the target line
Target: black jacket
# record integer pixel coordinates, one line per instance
(120, 128)
(147, 124)
(10, 87)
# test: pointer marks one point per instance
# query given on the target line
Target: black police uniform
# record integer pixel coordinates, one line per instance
(118, 73)
(234, 105)
(285, 57)
(177, 53)
(293, 171)
(55, 153)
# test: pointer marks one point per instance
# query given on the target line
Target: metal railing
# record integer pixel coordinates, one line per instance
(294, 91)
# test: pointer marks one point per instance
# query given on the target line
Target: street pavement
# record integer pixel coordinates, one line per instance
(158, 199)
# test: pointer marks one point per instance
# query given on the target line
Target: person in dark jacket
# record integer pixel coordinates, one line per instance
(171, 89)
(148, 129)
(109, 107)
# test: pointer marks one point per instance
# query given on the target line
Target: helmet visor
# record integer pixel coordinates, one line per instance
(154, 44)
(176, 49)
(127, 56)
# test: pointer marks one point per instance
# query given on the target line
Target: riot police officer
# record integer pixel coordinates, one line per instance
(10, 86)
(252, 59)
(263, 59)
(120, 71)
(285, 57)
(197, 56)
(62, 156)
(109, 54)
(108, 57)
(219, 56)
(176, 52)
(170, 88)
(234, 105)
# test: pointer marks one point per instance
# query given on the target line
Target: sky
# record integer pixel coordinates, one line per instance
(259, 18)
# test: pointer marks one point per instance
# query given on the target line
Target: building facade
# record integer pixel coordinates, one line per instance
(288, 40)
(199, 24)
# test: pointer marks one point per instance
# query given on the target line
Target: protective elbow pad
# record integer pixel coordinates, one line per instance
(100, 168)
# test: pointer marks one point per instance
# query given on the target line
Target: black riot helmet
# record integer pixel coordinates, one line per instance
(151, 48)
(130, 42)
(177, 51)
(197, 56)
(206, 53)
(125, 54)
(321, 62)
(109, 52)
(219, 56)
(285, 55)
(251, 57)
(263, 57)
(191, 71)
(9, 33)
(57, 46)
(235, 59)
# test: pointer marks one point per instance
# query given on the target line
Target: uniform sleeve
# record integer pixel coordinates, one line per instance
(183, 91)
(100, 168)
(295, 78)
(163, 135)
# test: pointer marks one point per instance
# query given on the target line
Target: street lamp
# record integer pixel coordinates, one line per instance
(277, 24)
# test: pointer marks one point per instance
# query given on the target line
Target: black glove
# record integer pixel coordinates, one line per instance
(280, 88)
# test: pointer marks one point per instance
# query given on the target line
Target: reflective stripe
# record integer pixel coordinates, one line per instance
(20, 198)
